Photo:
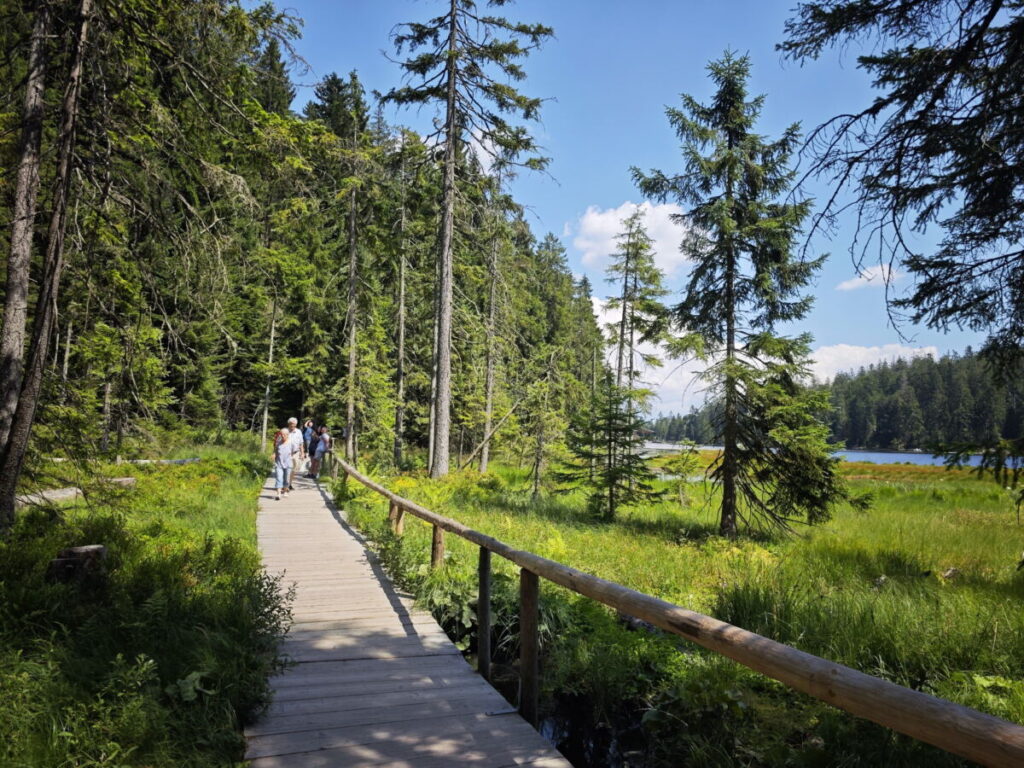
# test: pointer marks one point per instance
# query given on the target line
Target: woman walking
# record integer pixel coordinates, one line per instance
(282, 458)
(321, 445)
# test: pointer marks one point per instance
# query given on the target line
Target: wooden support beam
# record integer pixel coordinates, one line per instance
(437, 547)
(483, 615)
(399, 520)
(529, 670)
(392, 514)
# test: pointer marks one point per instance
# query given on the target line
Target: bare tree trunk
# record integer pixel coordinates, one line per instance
(400, 352)
(491, 434)
(489, 376)
(26, 194)
(400, 366)
(620, 362)
(67, 353)
(13, 456)
(442, 415)
(270, 368)
(433, 373)
(105, 441)
(593, 399)
(353, 267)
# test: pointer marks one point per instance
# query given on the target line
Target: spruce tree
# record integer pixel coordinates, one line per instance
(274, 90)
(466, 67)
(744, 281)
(606, 450)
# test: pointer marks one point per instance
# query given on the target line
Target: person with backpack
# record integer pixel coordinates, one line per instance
(320, 447)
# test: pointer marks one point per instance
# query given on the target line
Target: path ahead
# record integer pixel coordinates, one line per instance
(376, 681)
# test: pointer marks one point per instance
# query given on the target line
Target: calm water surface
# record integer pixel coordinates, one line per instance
(876, 457)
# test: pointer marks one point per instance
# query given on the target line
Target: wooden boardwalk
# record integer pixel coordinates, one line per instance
(376, 683)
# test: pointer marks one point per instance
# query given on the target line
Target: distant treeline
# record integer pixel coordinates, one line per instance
(919, 403)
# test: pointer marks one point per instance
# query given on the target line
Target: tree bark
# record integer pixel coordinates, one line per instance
(13, 457)
(270, 368)
(67, 353)
(400, 342)
(26, 194)
(350, 319)
(400, 363)
(442, 415)
(492, 266)
(105, 440)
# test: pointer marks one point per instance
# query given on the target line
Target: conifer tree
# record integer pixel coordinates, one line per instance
(274, 90)
(606, 450)
(605, 440)
(460, 50)
(745, 280)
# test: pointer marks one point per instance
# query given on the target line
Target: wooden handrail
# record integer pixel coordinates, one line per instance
(983, 738)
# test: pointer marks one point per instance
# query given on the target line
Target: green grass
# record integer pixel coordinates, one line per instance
(873, 590)
(159, 661)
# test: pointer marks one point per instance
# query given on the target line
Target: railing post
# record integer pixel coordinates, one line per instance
(399, 520)
(529, 601)
(392, 514)
(483, 615)
(437, 547)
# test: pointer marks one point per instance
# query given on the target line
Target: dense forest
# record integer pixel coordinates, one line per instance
(229, 262)
(920, 403)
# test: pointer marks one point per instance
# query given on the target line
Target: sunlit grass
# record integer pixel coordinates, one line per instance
(921, 589)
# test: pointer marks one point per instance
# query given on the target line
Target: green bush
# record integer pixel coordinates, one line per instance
(161, 659)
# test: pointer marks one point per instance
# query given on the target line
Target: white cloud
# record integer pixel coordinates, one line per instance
(880, 274)
(597, 229)
(677, 384)
(830, 360)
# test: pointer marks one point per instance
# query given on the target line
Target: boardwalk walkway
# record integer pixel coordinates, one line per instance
(376, 683)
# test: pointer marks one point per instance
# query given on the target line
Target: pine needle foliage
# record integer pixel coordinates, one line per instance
(606, 450)
(775, 466)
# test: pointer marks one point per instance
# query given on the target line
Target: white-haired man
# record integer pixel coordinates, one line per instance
(298, 446)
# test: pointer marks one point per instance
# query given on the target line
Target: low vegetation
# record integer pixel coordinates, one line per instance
(157, 660)
(922, 590)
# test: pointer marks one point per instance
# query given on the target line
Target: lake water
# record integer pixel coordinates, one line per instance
(875, 457)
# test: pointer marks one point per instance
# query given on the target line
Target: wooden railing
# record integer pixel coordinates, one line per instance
(963, 731)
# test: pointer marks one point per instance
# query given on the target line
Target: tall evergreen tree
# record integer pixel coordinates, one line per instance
(274, 90)
(745, 280)
(460, 50)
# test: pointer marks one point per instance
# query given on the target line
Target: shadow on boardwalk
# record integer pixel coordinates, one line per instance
(375, 681)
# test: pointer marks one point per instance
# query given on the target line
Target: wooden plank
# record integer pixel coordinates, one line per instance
(356, 695)
(375, 681)
(442, 732)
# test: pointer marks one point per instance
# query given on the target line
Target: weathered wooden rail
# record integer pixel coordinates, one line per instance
(957, 729)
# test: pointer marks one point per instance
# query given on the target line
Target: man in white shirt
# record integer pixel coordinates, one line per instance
(298, 446)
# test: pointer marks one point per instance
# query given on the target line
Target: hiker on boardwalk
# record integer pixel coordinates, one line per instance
(321, 445)
(283, 464)
(308, 435)
(298, 446)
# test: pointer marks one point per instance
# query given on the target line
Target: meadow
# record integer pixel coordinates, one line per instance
(158, 660)
(922, 589)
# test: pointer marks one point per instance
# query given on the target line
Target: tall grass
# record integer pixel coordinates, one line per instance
(922, 590)
(159, 661)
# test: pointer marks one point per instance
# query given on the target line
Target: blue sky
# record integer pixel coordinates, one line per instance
(608, 74)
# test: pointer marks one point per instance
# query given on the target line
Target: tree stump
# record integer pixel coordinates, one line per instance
(77, 564)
